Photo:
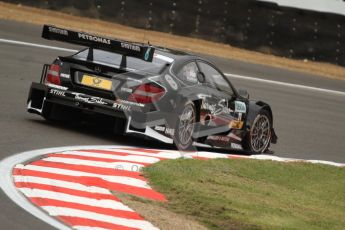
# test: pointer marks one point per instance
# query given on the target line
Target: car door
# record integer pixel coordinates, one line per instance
(220, 111)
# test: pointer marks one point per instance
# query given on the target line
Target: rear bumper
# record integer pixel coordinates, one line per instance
(138, 122)
(41, 94)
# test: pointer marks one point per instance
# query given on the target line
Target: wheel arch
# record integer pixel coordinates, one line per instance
(254, 108)
(265, 106)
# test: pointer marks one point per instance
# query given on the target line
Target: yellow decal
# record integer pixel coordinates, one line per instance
(236, 124)
(96, 82)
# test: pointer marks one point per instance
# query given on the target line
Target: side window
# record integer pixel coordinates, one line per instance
(188, 73)
(215, 78)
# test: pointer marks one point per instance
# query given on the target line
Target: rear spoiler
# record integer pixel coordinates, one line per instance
(144, 52)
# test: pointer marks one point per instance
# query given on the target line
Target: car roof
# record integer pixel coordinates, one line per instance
(181, 57)
(174, 54)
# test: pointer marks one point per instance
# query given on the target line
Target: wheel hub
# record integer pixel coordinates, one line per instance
(186, 125)
(260, 133)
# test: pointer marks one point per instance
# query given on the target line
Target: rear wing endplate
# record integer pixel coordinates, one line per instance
(144, 52)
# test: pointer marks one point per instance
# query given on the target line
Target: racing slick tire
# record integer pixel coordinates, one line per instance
(259, 137)
(186, 119)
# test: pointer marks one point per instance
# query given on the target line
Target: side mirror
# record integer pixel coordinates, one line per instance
(243, 93)
(201, 77)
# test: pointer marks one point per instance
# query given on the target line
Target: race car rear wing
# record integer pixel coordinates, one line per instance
(144, 52)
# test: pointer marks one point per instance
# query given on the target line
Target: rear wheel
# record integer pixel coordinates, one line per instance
(259, 138)
(185, 127)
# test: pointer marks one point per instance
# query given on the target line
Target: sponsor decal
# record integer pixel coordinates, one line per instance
(129, 46)
(203, 96)
(130, 103)
(63, 75)
(122, 107)
(219, 138)
(96, 81)
(160, 128)
(236, 146)
(147, 54)
(93, 38)
(171, 82)
(240, 107)
(127, 90)
(58, 31)
(168, 131)
(93, 100)
(58, 92)
(90, 100)
(234, 124)
(56, 86)
(216, 109)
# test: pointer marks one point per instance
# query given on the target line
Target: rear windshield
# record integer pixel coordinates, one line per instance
(157, 65)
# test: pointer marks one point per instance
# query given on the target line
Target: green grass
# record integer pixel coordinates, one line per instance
(252, 194)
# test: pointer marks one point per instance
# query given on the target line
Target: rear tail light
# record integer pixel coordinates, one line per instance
(53, 74)
(147, 93)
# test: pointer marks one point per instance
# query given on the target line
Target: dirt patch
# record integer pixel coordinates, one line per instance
(158, 215)
(40, 16)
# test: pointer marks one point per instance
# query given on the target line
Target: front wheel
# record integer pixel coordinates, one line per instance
(185, 127)
(259, 138)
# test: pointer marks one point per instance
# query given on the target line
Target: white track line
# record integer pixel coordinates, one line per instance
(14, 42)
(326, 163)
(242, 77)
(334, 92)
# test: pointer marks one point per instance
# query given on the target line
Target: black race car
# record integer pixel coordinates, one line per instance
(159, 93)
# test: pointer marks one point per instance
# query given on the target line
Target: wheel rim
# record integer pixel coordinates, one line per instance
(260, 133)
(186, 125)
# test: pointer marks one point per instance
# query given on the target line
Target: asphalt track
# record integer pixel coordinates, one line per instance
(310, 124)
